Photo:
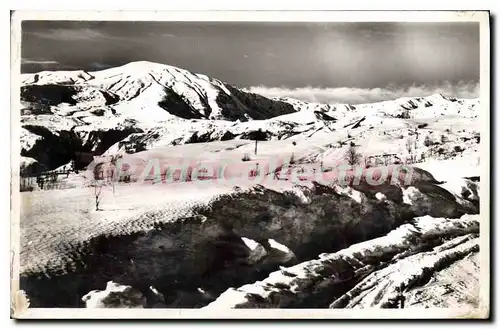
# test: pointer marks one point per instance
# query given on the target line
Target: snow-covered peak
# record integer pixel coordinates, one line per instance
(150, 91)
(144, 65)
(435, 105)
(438, 98)
(145, 70)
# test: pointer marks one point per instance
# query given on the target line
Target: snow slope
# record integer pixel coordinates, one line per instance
(168, 230)
(222, 240)
(142, 105)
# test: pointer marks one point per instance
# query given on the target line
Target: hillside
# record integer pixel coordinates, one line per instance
(225, 199)
(142, 105)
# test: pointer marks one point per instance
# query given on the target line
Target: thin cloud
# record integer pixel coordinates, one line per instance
(38, 61)
(70, 34)
(361, 95)
(100, 66)
(167, 35)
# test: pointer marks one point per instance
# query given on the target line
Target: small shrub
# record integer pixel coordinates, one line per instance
(457, 148)
(40, 181)
(404, 115)
(294, 143)
(98, 112)
(26, 189)
(422, 125)
(26, 184)
(53, 177)
(427, 141)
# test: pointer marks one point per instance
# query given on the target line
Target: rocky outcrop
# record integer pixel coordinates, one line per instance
(52, 149)
(373, 273)
(115, 296)
(388, 287)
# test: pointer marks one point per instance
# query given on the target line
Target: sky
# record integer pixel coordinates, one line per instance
(322, 62)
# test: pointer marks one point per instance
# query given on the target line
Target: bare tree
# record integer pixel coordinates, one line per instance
(97, 172)
(410, 148)
(51, 180)
(113, 171)
(98, 177)
(352, 156)
(97, 194)
(26, 184)
(386, 159)
(409, 145)
(110, 176)
(258, 136)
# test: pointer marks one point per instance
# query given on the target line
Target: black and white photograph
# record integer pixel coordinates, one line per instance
(335, 163)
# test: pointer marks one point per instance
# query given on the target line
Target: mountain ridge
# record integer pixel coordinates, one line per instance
(144, 84)
(145, 72)
(142, 104)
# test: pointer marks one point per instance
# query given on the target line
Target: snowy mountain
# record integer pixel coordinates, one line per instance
(142, 105)
(248, 234)
(148, 91)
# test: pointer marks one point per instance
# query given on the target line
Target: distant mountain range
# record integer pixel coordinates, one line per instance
(142, 104)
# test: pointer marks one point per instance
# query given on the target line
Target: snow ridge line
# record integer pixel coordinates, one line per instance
(384, 288)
